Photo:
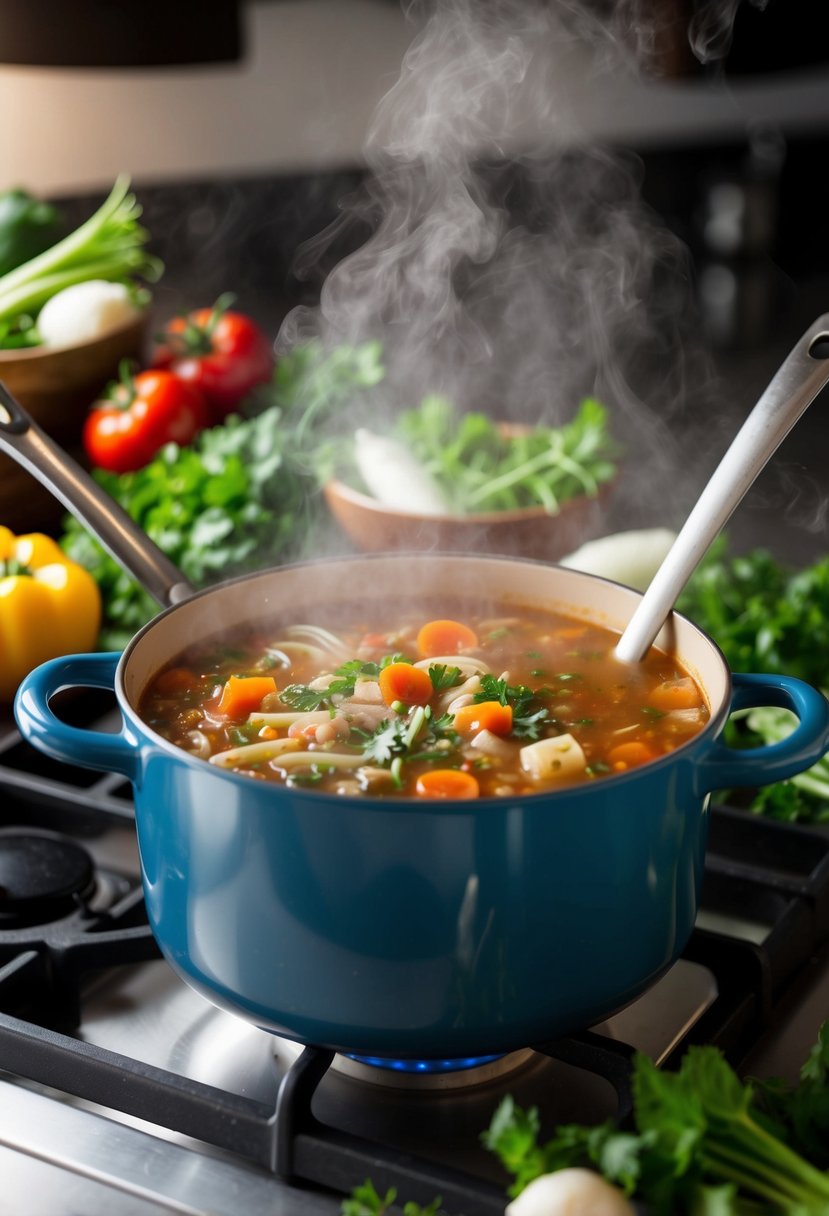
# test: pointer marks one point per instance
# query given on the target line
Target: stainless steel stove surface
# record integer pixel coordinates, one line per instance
(124, 1091)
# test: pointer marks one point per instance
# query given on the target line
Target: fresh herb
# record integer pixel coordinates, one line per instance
(806, 794)
(422, 737)
(365, 1201)
(802, 1110)
(767, 618)
(232, 502)
(763, 616)
(443, 676)
(701, 1142)
(109, 245)
(387, 741)
(479, 468)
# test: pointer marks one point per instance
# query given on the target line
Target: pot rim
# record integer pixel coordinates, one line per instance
(716, 720)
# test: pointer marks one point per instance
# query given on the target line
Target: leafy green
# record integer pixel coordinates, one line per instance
(109, 245)
(702, 1140)
(768, 618)
(365, 1201)
(478, 467)
(804, 796)
(443, 676)
(763, 616)
(802, 1110)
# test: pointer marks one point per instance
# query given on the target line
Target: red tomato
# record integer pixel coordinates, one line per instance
(225, 354)
(138, 416)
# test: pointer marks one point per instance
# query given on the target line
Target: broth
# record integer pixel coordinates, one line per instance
(441, 701)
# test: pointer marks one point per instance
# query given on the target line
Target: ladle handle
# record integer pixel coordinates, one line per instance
(23, 440)
(794, 387)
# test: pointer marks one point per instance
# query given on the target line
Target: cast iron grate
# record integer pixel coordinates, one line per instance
(775, 877)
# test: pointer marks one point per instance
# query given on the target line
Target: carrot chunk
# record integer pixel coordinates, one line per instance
(403, 682)
(486, 715)
(629, 755)
(447, 783)
(445, 637)
(241, 695)
(675, 694)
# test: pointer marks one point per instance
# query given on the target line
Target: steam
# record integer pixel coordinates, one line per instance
(712, 28)
(588, 293)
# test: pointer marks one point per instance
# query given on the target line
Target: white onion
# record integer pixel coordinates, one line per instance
(85, 311)
(570, 1192)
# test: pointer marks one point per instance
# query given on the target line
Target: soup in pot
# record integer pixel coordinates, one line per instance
(444, 702)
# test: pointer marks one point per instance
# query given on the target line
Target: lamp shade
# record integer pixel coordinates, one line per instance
(119, 33)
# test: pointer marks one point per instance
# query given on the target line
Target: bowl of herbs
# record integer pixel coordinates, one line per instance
(444, 479)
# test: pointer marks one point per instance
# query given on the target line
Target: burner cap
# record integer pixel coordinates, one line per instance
(41, 873)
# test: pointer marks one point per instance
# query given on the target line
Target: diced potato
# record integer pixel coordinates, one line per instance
(553, 759)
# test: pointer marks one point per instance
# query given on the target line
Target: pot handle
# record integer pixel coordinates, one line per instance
(44, 730)
(725, 767)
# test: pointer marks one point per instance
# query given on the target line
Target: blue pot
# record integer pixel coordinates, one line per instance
(405, 929)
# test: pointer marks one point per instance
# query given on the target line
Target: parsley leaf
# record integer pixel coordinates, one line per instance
(443, 676)
(387, 741)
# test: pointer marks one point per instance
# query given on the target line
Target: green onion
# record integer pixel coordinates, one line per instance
(109, 245)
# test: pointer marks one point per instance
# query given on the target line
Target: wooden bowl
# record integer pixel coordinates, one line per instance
(57, 385)
(529, 532)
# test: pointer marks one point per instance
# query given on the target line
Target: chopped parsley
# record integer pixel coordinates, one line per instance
(443, 676)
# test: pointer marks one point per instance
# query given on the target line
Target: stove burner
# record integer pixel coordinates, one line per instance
(416, 1074)
(43, 877)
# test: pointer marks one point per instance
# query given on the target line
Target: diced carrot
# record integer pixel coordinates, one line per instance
(447, 783)
(675, 694)
(486, 715)
(176, 680)
(403, 682)
(445, 637)
(268, 732)
(241, 695)
(629, 755)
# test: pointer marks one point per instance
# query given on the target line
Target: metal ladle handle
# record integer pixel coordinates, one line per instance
(794, 387)
(23, 440)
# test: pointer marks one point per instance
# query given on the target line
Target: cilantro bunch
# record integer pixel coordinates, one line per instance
(703, 1143)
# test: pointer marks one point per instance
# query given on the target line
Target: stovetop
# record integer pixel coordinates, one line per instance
(125, 1091)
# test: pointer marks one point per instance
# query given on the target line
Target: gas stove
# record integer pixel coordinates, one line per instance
(122, 1090)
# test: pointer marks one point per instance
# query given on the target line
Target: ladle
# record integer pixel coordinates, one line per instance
(794, 387)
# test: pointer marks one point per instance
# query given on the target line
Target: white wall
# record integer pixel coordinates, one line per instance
(304, 96)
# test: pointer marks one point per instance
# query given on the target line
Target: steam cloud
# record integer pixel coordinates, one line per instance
(586, 292)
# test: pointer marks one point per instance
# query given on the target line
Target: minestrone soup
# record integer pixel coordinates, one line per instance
(436, 703)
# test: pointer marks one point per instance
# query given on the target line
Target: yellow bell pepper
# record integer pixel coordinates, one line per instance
(49, 606)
